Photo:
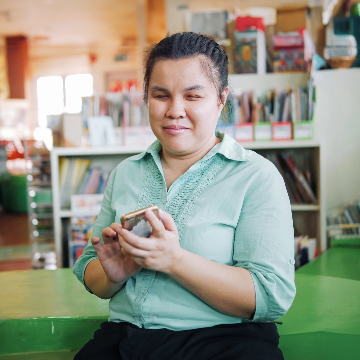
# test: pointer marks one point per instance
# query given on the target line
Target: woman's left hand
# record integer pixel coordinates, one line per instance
(160, 251)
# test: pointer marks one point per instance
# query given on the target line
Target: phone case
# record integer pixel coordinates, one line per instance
(137, 223)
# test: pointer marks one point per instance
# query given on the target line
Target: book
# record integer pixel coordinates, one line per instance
(63, 172)
(86, 203)
(75, 174)
(308, 250)
(85, 180)
(73, 180)
(288, 52)
(305, 250)
(65, 190)
(250, 54)
(301, 182)
(93, 182)
(79, 232)
(289, 181)
(81, 174)
(293, 193)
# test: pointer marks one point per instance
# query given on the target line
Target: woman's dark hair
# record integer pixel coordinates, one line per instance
(185, 45)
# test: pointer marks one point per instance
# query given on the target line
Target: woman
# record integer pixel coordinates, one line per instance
(218, 268)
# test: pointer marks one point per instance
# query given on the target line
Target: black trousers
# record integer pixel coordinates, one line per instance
(124, 341)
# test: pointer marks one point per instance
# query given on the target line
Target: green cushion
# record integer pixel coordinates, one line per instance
(324, 320)
(51, 312)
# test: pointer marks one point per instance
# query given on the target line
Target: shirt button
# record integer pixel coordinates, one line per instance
(144, 290)
(292, 261)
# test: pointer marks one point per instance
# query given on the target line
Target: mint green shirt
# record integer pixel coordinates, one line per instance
(230, 207)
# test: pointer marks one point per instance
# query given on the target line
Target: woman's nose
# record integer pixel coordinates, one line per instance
(176, 109)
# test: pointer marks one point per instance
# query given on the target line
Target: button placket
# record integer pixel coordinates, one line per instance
(143, 291)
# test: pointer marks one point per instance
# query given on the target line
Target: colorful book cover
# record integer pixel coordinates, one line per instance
(79, 230)
(289, 60)
(246, 52)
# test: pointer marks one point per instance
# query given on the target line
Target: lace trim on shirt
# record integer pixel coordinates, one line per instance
(182, 205)
(152, 186)
(193, 185)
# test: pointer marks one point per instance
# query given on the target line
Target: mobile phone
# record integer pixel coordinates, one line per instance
(137, 223)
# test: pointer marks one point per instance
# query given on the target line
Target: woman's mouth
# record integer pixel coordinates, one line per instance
(175, 129)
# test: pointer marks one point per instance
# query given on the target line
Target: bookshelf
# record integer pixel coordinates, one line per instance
(267, 81)
(105, 157)
(308, 218)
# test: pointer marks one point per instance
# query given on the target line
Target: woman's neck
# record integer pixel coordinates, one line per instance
(175, 165)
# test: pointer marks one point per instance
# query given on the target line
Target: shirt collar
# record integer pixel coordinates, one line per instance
(228, 147)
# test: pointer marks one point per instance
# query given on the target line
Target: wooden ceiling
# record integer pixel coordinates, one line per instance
(62, 22)
(98, 22)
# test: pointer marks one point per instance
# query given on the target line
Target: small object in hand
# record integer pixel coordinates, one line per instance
(137, 223)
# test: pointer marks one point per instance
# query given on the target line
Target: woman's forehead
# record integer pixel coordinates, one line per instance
(183, 72)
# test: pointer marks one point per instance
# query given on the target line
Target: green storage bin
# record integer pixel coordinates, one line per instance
(4, 190)
(14, 192)
(43, 196)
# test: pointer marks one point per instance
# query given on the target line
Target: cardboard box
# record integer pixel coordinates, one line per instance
(293, 18)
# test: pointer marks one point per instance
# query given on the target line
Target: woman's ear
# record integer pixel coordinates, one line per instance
(223, 98)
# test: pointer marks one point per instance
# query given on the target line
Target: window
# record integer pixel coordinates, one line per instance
(77, 86)
(57, 95)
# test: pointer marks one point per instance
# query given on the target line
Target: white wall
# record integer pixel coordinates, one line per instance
(337, 126)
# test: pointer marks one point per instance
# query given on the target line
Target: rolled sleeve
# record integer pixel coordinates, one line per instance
(105, 218)
(264, 243)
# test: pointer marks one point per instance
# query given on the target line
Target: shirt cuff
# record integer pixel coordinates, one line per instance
(79, 270)
(261, 298)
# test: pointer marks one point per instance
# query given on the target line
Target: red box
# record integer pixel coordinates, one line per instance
(244, 132)
(282, 131)
(243, 23)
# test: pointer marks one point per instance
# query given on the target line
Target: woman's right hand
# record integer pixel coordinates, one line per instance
(117, 266)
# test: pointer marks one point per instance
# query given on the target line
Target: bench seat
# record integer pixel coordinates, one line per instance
(49, 314)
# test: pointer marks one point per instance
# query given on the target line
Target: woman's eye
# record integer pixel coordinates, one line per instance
(193, 97)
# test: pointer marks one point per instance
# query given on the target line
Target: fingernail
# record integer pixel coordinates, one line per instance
(161, 212)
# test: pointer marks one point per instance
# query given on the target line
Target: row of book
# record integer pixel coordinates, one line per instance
(273, 105)
(305, 250)
(298, 181)
(125, 108)
(344, 220)
(77, 176)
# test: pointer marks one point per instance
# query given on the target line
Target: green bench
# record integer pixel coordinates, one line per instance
(49, 315)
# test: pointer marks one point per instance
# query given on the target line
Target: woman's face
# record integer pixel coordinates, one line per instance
(183, 106)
